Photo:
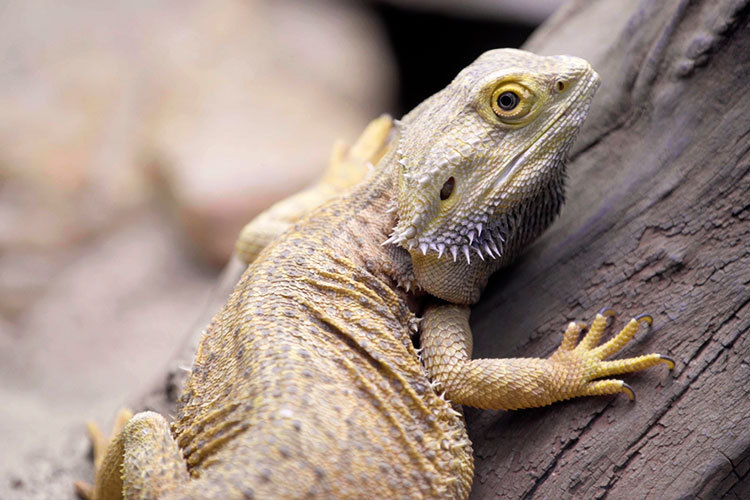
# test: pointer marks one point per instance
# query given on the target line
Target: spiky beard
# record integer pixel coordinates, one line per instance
(493, 236)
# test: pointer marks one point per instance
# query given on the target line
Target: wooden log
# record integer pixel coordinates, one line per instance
(657, 221)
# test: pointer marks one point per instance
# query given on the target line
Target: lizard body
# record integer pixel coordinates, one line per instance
(307, 383)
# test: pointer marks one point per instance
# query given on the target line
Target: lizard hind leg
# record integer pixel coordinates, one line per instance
(141, 462)
(100, 444)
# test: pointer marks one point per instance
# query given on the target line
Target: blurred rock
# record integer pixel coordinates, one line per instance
(23, 277)
(258, 105)
(235, 99)
(103, 328)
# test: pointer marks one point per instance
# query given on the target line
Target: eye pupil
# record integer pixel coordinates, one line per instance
(447, 189)
(507, 101)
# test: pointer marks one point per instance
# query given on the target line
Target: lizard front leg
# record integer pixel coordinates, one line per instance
(571, 371)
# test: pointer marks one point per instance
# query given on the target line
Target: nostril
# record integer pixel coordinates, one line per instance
(560, 85)
(447, 189)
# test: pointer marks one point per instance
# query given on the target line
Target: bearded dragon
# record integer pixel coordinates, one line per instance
(308, 383)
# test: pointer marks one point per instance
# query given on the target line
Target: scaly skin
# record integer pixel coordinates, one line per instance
(307, 384)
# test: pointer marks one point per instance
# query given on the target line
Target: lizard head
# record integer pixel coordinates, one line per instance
(494, 139)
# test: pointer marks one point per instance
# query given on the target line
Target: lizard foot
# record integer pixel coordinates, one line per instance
(577, 367)
(100, 443)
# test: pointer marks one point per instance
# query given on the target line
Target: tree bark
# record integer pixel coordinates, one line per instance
(657, 221)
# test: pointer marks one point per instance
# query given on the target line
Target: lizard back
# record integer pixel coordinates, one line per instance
(310, 369)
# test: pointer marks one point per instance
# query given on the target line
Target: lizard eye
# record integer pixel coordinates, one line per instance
(512, 102)
(508, 100)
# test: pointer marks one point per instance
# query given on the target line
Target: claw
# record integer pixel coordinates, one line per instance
(607, 311)
(83, 490)
(645, 318)
(668, 361)
(629, 391)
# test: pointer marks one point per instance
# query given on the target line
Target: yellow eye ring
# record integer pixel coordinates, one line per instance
(511, 102)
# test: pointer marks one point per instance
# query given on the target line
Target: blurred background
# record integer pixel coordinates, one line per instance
(136, 139)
